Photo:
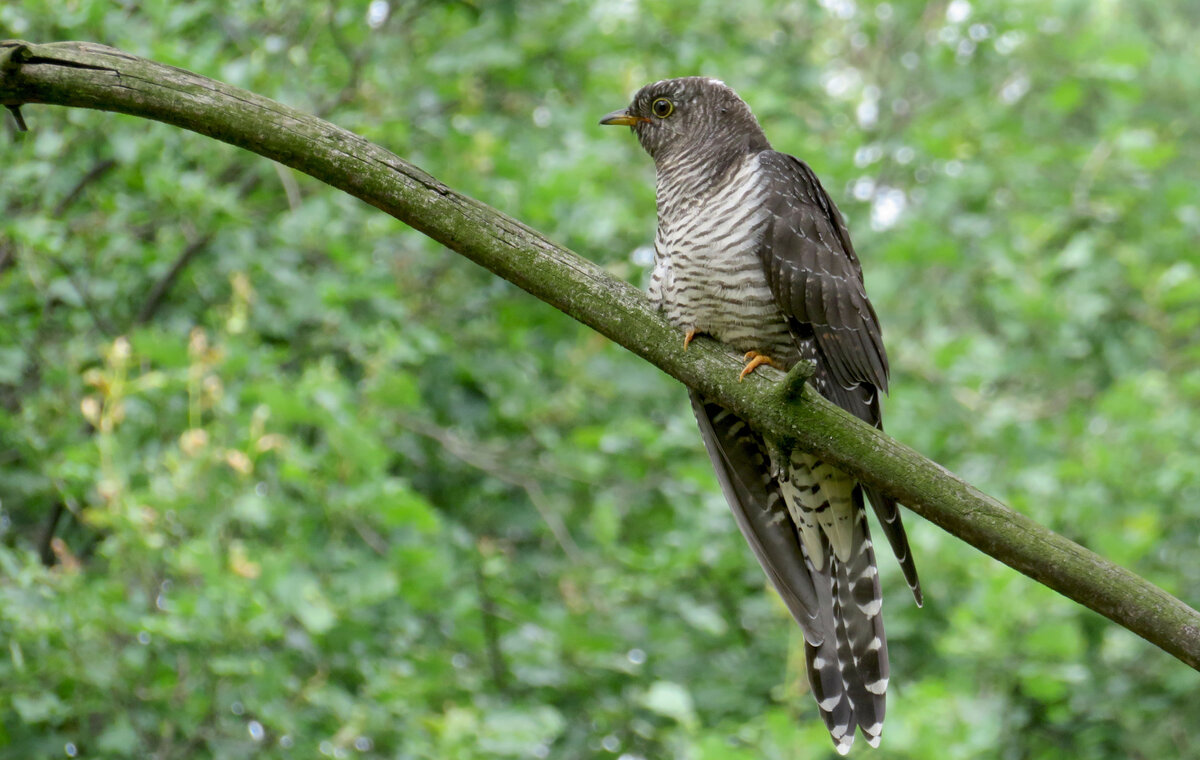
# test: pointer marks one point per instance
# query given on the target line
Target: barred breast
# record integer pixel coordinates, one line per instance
(708, 275)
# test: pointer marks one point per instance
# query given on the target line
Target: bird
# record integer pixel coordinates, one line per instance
(751, 250)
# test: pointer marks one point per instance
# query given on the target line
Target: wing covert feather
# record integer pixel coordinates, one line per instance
(815, 276)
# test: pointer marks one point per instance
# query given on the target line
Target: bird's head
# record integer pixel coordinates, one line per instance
(690, 117)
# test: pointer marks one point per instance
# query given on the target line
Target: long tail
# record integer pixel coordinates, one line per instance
(858, 602)
(888, 512)
(827, 506)
(753, 492)
(862, 401)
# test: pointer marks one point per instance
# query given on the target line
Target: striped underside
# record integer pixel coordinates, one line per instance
(707, 273)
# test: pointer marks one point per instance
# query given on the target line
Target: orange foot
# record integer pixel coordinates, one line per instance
(755, 360)
(688, 338)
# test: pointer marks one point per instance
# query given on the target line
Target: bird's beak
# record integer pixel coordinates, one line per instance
(623, 118)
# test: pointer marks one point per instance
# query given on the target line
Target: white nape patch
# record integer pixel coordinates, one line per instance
(829, 703)
(875, 644)
(879, 687)
(871, 608)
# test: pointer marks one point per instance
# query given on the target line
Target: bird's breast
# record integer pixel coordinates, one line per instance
(708, 275)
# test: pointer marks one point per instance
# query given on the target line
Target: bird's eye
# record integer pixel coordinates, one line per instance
(662, 108)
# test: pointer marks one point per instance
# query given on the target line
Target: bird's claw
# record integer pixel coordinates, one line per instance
(754, 360)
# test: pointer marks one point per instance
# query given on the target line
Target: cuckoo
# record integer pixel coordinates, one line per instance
(751, 250)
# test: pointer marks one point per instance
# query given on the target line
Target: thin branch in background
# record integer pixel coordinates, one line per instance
(45, 550)
(8, 257)
(31, 376)
(158, 293)
(491, 633)
(478, 456)
(96, 172)
(372, 539)
(102, 324)
(163, 286)
(355, 58)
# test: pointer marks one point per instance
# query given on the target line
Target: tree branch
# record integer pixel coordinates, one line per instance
(478, 456)
(94, 76)
(158, 293)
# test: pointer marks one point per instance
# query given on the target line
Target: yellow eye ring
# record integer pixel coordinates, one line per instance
(662, 108)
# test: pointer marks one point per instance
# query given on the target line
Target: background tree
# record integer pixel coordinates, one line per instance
(380, 503)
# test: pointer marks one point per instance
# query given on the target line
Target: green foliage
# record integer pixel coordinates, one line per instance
(343, 493)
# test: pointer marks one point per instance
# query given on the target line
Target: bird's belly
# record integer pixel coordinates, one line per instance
(708, 275)
(723, 292)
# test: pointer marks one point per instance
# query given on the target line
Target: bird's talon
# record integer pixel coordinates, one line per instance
(688, 338)
(756, 360)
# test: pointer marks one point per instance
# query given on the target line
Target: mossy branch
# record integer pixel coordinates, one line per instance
(94, 76)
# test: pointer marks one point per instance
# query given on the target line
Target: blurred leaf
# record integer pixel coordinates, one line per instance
(670, 700)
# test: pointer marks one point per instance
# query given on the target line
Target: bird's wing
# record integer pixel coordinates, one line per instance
(815, 276)
(744, 471)
(816, 279)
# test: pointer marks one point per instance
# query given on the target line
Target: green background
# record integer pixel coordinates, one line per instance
(341, 493)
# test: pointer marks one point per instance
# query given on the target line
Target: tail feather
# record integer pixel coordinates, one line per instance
(825, 679)
(790, 512)
(825, 663)
(753, 496)
(828, 509)
(858, 602)
(862, 400)
(888, 512)
(863, 702)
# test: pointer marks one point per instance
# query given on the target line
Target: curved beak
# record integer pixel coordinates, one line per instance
(622, 118)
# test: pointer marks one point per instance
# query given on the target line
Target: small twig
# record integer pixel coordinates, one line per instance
(12, 54)
(97, 171)
(491, 633)
(370, 537)
(159, 292)
(793, 383)
(102, 324)
(355, 59)
(476, 455)
(45, 550)
(16, 112)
